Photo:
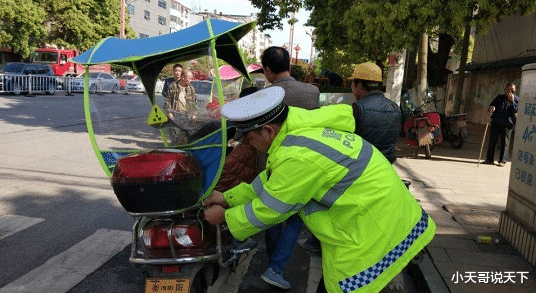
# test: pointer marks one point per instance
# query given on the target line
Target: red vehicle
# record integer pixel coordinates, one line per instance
(423, 130)
(58, 59)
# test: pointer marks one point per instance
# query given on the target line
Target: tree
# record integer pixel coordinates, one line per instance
(82, 23)
(21, 26)
(372, 29)
(77, 24)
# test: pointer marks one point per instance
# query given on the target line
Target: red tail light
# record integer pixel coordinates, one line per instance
(187, 239)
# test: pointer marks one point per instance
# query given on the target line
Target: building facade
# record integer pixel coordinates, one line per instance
(149, 18)
(179, 18)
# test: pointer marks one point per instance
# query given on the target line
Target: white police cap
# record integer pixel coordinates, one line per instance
(255, 110)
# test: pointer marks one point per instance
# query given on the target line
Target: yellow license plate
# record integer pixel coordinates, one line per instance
(167, 285)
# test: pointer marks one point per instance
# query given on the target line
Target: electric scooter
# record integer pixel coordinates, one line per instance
(162, 180)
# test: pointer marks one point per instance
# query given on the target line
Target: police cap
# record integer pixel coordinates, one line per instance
(255, 110)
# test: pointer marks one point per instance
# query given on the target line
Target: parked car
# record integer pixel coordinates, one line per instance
(98, 82)
(203, 92)
(18, 77)
(135, 85)
(124, 79)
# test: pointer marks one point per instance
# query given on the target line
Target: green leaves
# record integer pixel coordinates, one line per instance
(80, 24)
(21, 23)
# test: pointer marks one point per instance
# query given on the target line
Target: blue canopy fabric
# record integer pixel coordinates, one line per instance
(147, 56)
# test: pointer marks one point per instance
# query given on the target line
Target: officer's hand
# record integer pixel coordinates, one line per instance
(215, 214)
(491, 109)
(215, 198)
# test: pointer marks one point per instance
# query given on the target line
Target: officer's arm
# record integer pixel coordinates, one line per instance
(291, 185)
(243, 192)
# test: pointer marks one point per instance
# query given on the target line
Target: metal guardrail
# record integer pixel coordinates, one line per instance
(30, 84)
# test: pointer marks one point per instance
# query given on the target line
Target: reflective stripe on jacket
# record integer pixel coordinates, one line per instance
(346, 192)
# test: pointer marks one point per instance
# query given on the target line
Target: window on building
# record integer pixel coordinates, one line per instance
(161, 20)
(141, 36)
(174, 5)
(173, 18)
(147, 0)
(147, 15)
(130, 8)
(162, 3)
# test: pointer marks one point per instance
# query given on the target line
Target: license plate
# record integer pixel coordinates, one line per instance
(424, 136)
(462, 123)
(167, 285)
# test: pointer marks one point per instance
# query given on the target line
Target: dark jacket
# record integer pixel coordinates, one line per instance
(299, 94)
(377, 120)
(505, 113)
(167, 83)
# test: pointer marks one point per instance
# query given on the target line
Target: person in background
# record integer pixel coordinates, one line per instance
(179, 106)
(281, 238)
(180, 95)
(177, 74)
(349, 196)
(377, 119)
(503, 110)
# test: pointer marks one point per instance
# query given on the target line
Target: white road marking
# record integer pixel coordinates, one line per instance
(65, 270)
(11, 224)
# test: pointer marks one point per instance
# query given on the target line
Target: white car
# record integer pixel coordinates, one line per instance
(135, 85)
(98, 82)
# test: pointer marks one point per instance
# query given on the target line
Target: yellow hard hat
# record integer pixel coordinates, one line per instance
(367, 71)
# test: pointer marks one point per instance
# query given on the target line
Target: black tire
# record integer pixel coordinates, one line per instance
(427, 151)
(198, 284)
(16, 89)
(93, 88)
(456, 141)
(115, 88)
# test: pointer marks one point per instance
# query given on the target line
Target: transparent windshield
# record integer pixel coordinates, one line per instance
(49, 57)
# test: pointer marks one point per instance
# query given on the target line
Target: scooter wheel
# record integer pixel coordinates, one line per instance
(456, 141)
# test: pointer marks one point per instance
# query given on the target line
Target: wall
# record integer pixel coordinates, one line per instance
(480, 88)
(512, 37)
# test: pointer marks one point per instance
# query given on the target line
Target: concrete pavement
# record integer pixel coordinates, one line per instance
(465, 200)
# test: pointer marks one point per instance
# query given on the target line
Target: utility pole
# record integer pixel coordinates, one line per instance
(122, 32)
(292, 20)
(313, 38)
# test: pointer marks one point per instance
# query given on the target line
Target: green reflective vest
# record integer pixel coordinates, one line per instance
(346, 192)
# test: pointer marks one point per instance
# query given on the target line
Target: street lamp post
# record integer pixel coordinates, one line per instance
(297, 48)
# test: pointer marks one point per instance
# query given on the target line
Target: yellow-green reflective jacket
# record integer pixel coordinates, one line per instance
(346, 192)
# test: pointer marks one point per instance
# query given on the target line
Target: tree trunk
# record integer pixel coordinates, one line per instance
(422, 73)
(461, 70)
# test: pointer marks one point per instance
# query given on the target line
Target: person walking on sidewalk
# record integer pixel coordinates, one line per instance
(281, 238)
(341, 186)
(503, 110)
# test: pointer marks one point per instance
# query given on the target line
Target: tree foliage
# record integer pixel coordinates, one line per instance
(21, 25)
(78, 24)
(357, 30)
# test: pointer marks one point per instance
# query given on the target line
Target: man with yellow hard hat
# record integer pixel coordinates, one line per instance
(377, 118)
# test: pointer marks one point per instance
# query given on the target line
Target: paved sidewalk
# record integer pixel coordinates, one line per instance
(465, 200)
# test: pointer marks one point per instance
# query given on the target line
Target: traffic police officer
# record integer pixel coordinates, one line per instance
(344, 189)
